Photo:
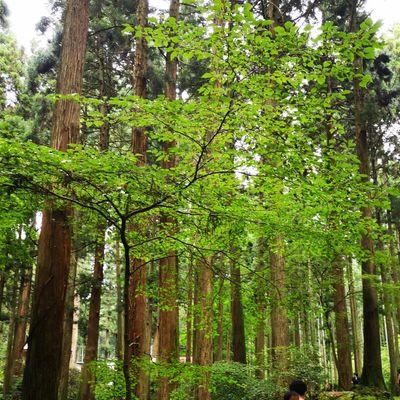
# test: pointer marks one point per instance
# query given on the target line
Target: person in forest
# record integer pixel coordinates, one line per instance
(291, 395)
(299, 387)
(356, 379)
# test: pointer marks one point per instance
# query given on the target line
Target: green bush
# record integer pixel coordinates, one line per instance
(228, 380)
(109, 380)
(74, 383)
(237, 381)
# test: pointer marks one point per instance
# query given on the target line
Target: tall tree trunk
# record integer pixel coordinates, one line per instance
(68, 325)
(372, 364)
(391, 331)
(138, 347)
(137, 310)
(21, 323)
(196, 315)
(44, 358)
(279, 319)
(189, 314)
(394, 267)
(331, 337)
(389, 306)
(203, 328)
(168, 317)
(9, 366)
(167, 320)
(238, 334)
(354, 319)
(140, 75)
(341, 326)
(119, 308)
(91, 349)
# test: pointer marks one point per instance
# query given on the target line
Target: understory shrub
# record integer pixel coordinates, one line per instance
(228, 380)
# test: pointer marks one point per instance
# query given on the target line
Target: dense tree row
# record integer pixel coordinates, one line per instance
(199, 203)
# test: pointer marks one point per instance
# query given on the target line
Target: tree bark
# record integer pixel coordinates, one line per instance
(341, 326)
(391, 332)
(21, 321)
(203, 328)
(189, 314)
(68, 325)
(168, 320)
(120, 308)
(44, 358)
(137, 310)
(138, 346)
(168, 316)
(372, 365)
(354, 320)
(9, 365)
(140, 75)
(279, 319)
(388, 301)
(91, 350)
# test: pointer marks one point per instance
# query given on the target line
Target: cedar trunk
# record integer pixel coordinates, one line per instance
(389, 302)
(279, 319)
(137, 310)
(8, 369)
(92, 340)
(354, 320)
(91, 350)
(68, 325)
(120, 312)
(341, 326)
(21, 321)
(168, 316)
(203, 327)
(167, 320)
(189, 314)
(44, 358)
(138, 346)
(372, 364)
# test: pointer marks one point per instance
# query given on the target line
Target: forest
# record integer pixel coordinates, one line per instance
(201, 202)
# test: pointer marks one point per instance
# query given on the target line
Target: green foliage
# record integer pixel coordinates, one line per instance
(74, 382)
(234, 381)
(11, 70)
(237, 381)
(109, 380)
